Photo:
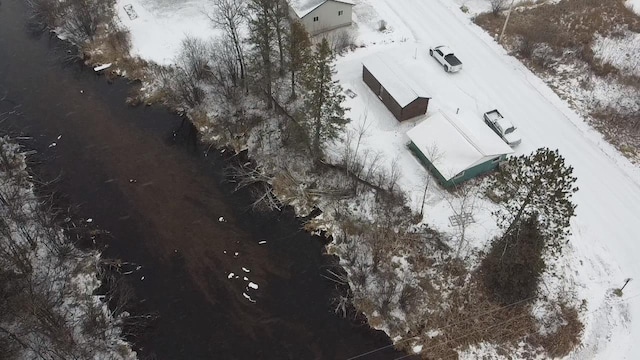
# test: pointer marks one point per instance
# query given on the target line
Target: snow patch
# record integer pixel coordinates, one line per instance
(622, 51)
(248, 297)
(633, 5)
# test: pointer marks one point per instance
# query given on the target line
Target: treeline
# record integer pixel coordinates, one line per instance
(262, 65)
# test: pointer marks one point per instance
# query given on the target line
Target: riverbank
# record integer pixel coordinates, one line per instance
(136, 173)
(52, 303)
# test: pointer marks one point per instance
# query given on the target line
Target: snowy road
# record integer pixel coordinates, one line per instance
(608, 214)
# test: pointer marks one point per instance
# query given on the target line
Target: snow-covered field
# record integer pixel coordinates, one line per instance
(158, 26)
(604, 244)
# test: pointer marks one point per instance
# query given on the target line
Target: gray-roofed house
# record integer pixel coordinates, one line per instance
(319, 16)
(393, 79)
(457, 147)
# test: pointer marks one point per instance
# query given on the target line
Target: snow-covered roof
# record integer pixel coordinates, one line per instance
(397, 72)
(304, 7)
(456, 142)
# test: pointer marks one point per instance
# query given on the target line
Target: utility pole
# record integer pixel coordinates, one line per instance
(505, 22)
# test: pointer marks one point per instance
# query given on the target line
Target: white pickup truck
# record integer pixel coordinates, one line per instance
(503, 127)
(445, 57)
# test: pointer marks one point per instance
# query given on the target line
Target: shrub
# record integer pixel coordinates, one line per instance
(341, 41)
(560, 343)
(382, 25)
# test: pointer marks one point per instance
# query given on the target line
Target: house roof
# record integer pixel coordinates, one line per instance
(456, 142)
(396, 73)
(304, 7)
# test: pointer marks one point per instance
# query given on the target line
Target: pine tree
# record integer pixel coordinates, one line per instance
(324, 120)
(262, 37)
(299, 52)
(538, 184)
(511, 270)
(280, 22)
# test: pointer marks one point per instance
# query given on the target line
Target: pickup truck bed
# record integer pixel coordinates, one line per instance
(493, 115)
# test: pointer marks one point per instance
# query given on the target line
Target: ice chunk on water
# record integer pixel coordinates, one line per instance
(102, 67)
(248, 297)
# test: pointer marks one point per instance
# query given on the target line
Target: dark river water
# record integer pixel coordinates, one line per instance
(134, 172)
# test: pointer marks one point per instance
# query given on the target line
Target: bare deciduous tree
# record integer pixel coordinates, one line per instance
(341, 41)
(395, 173)
(462, 201)
(229, 15)
(44, 13)
(194, 58)
(82, 18)
(497, 6)
(184, 80)
(225, 71)
(434, 154)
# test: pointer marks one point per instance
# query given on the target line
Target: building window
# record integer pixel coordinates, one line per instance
(315, 18)
(459, 175)
(496, 160)
(340, 12)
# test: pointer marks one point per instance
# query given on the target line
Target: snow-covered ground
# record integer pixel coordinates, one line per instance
(623, 52)
(604, 235)
(158, 26)
(604, 243)
(634, 5)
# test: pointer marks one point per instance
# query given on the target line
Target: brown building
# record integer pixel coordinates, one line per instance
(395, 87)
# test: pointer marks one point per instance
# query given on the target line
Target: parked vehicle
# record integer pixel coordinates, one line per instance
(503, 127)
(446, 58)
